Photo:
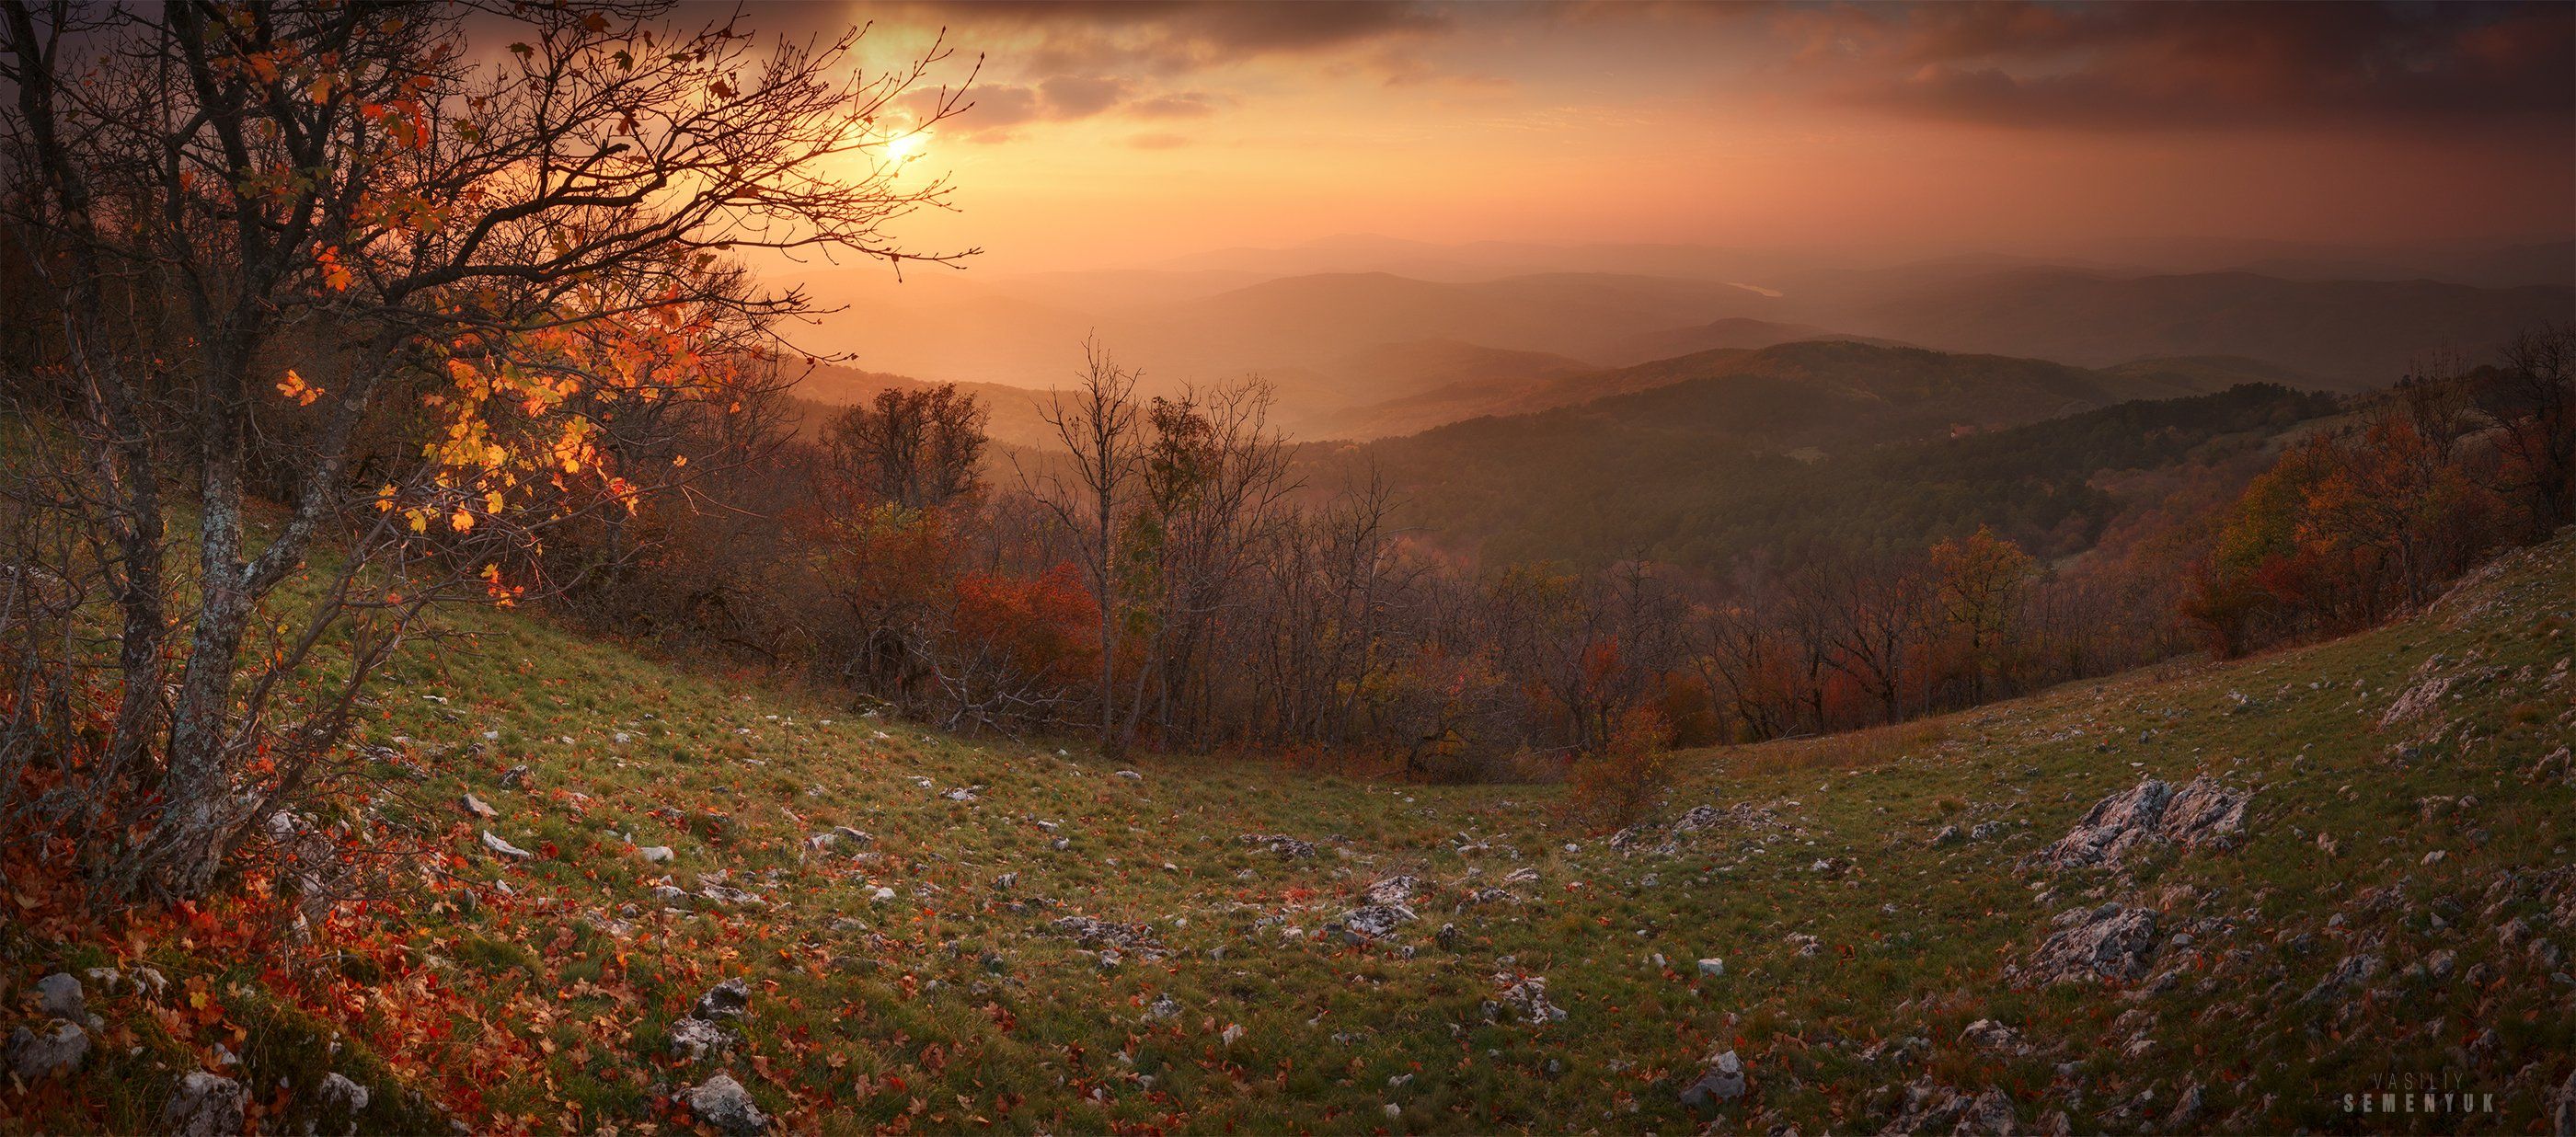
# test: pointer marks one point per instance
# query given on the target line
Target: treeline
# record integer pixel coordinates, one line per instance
(1165, 581)
(2354, 526)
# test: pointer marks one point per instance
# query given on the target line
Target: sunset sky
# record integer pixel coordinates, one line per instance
(1123, 133)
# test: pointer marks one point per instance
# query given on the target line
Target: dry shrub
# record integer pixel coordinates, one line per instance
(1625, 782)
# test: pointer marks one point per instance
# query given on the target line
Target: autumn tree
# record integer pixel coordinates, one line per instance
(2532, 401)
(348, 213)
(915, 449)
(1979, 581)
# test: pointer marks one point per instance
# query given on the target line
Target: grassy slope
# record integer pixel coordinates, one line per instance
(955, 988)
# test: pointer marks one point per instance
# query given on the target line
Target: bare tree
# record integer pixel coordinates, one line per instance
(1100, 423)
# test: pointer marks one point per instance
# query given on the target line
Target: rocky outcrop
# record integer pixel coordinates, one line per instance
(2105, 943)
(2201, 814)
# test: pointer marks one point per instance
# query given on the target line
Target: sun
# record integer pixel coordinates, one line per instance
(906, 146)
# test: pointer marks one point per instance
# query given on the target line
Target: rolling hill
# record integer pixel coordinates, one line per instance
(1716, 455)
(1936, 926)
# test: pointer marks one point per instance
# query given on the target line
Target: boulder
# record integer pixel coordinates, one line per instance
(59, 1049)
(203, 1106)
(722, 1103)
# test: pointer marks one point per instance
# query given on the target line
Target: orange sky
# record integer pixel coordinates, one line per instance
(1122, 134)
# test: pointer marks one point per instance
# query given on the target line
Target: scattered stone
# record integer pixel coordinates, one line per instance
(35, 1057)
(1131, 775)
(656, 854)
(1286, 847)
(731, 897)
(1712, 967)
(1525, 996)
(1722, 1081)
(1394, 890)
(1164, 1007)
(203, 1106)
(1987, 1034)
(477, 807)
(838, 835)
(2417, 701)
(339, 1094)
(1991, 1112)
(2110, 942)
(1949, 835)
(59, 995)
(722, 1103)
(1092, 932)
(2348, 974)
(1374, 920)
(697, 1040)
(514, 777)
(727, 1000)
(493, 842)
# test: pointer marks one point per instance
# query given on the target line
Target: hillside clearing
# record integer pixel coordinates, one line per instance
(946, 934)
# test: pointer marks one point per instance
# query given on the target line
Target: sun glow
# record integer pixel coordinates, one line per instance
(906, 146)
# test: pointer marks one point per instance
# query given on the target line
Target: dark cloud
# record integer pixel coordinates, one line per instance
(1081, 96)
(1179, 35)
(2138, 66)
(991, 110)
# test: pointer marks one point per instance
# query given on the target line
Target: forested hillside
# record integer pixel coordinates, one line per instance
(1706, 471)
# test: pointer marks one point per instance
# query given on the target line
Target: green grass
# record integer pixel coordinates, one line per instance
(952, 1007)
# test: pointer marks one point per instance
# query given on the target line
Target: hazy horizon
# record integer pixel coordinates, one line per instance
(1120, 136)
